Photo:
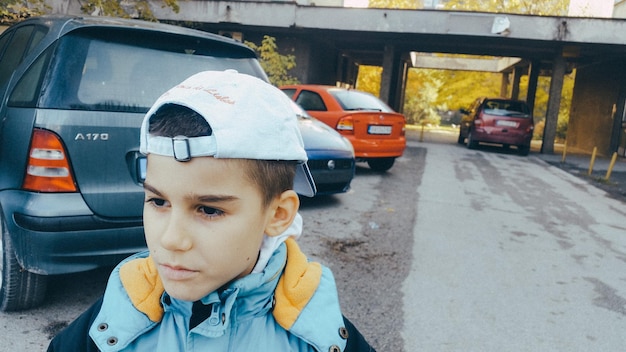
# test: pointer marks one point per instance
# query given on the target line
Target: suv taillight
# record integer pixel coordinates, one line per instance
(48, 168)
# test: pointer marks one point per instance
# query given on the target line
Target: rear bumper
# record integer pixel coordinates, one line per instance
(502, 138)
(58, 234)
(378, 148)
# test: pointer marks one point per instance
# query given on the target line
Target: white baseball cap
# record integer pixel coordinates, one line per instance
(249, 119)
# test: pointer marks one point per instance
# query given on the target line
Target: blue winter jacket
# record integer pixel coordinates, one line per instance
(291, 306)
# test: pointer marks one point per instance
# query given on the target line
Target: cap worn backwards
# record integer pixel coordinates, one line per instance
(249, 119)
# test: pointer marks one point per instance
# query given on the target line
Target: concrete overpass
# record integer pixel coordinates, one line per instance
(330, 43)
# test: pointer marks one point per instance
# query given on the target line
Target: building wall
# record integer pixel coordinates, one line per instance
(595, 98)
(619, 11)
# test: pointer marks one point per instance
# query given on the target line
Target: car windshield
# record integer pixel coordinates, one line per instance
(355, 100)
(114, 76)
(506, 108)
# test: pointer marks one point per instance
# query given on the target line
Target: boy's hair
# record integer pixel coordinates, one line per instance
(272, 177)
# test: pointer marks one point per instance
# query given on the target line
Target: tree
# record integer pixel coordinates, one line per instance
(12, 11)
(124, 8)
(276, 65)
(460, 88)
(422, 89)
(368, 79)
(396, 4)
(529, 7)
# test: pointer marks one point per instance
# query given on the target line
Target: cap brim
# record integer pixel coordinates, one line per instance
(303, 183)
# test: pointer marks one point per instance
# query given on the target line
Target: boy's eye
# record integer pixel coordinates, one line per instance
(211, 212)
(157, 202)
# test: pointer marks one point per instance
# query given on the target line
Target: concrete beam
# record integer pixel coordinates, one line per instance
(288, 15)
(463, 64)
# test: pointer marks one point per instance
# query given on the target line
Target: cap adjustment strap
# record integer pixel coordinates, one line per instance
(181, 149)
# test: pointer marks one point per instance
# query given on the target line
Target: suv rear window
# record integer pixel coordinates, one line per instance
(506, 108)
(115, 70)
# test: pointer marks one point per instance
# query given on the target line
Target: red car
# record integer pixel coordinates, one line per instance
(376, 132)
(498, 121)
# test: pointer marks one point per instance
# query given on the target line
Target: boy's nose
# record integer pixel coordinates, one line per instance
(175, 235)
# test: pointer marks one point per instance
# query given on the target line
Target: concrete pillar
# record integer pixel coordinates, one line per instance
(533, 77)
(391, 82)
(504, 85)
(597, 92)
(616, 144)
(347, 71)
(518, 72)
(401, 86)
(385, 80)
(554, 103)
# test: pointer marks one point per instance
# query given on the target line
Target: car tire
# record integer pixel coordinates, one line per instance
(19, 289)
(471, 142)
(523, 150)
(381, 164)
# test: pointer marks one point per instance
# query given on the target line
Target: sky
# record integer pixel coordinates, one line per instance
(591, 8)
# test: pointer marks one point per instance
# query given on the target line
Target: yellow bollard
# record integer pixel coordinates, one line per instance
(564, 152)
(593, 160)
(611, 165)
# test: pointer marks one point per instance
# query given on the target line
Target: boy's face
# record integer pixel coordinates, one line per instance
(204, 223)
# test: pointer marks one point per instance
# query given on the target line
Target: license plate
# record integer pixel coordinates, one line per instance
(375, 129)
(142, 166)
(506, 123)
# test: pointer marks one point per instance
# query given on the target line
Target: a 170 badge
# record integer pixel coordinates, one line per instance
(92, 137)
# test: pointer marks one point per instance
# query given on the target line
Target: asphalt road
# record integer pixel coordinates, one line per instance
(451, 250)
(512, 254)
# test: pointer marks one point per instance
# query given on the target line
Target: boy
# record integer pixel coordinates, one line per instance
(223, 271)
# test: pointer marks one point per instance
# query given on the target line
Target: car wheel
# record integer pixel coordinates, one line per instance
(19, 289)
(471, 142)
(381, 164)
(523, 150)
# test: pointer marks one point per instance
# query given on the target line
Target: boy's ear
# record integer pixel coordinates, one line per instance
(284, 210)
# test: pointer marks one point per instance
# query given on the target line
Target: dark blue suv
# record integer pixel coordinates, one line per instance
(73, 94)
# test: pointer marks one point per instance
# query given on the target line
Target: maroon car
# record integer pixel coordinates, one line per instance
(499, 121)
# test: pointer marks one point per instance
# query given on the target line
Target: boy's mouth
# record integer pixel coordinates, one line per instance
(176, 273)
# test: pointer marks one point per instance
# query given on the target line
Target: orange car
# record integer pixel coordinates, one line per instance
(374, 129)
